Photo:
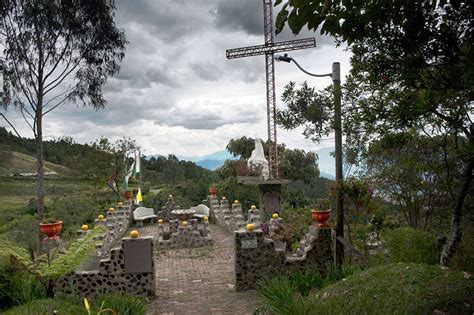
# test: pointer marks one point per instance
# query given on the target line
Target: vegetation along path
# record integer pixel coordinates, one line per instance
(199, 280)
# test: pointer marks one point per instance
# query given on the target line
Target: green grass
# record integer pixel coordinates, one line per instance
(404, 288)
(47, 307)
(75, 201)
(121, 304)
(289, 291)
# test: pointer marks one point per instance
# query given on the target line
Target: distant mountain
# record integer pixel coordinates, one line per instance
(326, 163)
(210, 161)
(326, 175)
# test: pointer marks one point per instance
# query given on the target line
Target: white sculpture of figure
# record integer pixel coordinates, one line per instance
(257, 160)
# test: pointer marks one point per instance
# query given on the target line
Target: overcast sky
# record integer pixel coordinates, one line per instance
(176, 91)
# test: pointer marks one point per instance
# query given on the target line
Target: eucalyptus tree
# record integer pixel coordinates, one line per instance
(56, 52)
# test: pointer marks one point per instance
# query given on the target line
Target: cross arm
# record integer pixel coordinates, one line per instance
(271, 48)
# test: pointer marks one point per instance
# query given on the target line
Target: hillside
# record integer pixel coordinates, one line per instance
(16, 163)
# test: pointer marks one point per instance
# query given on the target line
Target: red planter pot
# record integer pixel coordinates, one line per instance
(320, 217)
(51, 229)
(213, 191)
(127, 195)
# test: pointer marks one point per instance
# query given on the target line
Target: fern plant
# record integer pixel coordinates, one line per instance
(48, 268)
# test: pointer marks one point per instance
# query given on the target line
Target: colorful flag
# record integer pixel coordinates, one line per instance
(139, 195)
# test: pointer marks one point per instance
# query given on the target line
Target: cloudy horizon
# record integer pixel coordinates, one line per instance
(177, 93)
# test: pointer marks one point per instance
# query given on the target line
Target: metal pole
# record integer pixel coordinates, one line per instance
(336, 78)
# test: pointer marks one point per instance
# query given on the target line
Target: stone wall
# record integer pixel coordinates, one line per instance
(228, 217)
(130, 269)
(257, 256)
(184, 236)
(117, 223)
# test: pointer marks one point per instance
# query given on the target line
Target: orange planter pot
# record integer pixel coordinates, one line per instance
(213, 191)
(320, 217)
(51, 229)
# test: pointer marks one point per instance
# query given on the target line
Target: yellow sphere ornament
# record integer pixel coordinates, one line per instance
(253, 207)
(236, 202)
(120, 204)
(250, 227)
(84, 227)
(134, 234)
(275, 216)
(170, 196)
(160, 221)
(111, 209)
(100, 217)
(223, 198)
(184, 223)
(205, 218)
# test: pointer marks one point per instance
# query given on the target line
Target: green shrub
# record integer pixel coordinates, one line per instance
(411, 245)
(47, 307)
(296, 222)
(16, 286)
(403, 288)
(49, 267)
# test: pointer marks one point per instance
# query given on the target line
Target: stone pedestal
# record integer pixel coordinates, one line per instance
(269, 194)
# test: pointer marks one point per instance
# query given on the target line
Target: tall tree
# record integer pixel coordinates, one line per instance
(294, 164)
(412, 67)
(57, 51)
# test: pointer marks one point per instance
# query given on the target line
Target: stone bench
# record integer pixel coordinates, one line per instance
(201, 211)
(141, 214)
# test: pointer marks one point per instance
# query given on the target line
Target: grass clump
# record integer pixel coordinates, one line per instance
(120, 303)
(289, 292)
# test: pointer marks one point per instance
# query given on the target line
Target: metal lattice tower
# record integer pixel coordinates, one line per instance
(269, 49)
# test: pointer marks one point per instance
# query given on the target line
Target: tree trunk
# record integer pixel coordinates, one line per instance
(40, 170)
(450, 247)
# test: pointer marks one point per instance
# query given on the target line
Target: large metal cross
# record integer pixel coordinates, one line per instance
(269, 49)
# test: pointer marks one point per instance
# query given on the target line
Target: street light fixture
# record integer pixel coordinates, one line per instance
(335, 75)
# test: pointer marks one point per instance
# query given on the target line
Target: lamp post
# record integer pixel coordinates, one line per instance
(335, 75)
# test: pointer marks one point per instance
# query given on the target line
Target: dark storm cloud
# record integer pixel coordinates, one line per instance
(169, 20)
(239, 15)
(247, 16)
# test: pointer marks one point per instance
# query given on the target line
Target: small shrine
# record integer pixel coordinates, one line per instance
(269, 188)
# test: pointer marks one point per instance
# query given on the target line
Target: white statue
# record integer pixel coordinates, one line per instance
(257, 161)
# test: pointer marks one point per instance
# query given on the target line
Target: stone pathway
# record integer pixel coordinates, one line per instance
(200, 280)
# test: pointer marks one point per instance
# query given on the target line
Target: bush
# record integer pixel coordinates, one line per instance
(17, 287)
(411, 245)
(398, 289)
(296, 222)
